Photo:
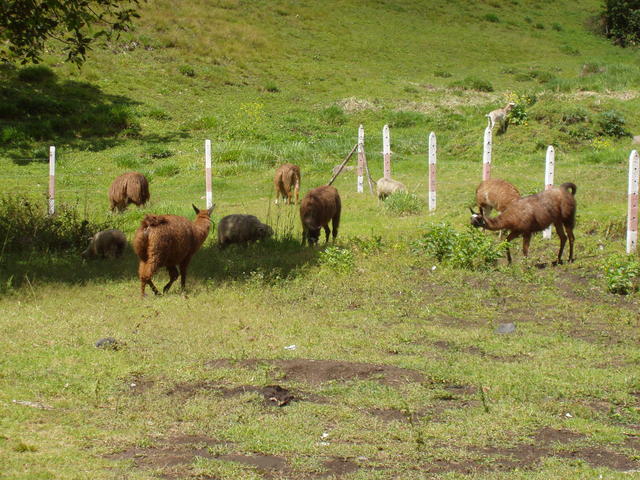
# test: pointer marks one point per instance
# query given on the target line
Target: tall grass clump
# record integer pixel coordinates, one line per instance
(622, 273)
(402, 204)
(473, 83)
(469, 250)
(337, 258)
(25, 225)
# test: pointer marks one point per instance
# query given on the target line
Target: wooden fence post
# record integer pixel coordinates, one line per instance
(548, 181)
(386, 151)
(632, 209)
(207, 172)
(360, 185)
(52, 180)
(486, 154)
(432, 171)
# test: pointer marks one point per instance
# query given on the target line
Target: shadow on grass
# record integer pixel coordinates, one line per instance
(270, 261)
(36, 107)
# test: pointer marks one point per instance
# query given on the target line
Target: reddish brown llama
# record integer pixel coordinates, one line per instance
(130, 187)
(169, 241)
(287, 183)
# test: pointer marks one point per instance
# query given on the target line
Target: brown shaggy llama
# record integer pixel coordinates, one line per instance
(495, 193)
(169, 241)
(130, 187)
(533, 213)
(320, 206)
(286, 179)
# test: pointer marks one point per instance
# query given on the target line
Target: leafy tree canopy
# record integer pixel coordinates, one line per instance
(27, 25)
(622, 21)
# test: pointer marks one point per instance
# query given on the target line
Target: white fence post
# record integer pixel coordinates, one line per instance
(632, 210)
(432, 171)
(207, 172)
(360, 185)
(548, 181)
(52, 180)
(386, 151)
(486, 154)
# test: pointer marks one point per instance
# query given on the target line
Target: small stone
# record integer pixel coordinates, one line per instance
(636, 140)
(108, 343)
(506, 328)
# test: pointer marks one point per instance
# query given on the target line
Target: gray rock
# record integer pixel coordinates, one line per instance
(636, 140)
(108, 343)
(506, 328)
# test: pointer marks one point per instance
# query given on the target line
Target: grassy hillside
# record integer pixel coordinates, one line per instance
(393, 358)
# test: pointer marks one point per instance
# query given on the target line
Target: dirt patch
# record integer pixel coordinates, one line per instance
(137, 385)
(472, 350)
(601, 457)
(337, 467)
(393, 415)
(259, 461)
(316, 372)
(547, 436)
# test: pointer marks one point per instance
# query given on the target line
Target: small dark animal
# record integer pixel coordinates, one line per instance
(527, 215)
(495, 193)
(287, 182)
(243, 229)
(169, 241)
(107, 243)
(131, 187)
(320, 206)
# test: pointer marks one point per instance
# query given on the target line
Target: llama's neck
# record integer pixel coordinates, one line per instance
(496, 223)
(201, 228)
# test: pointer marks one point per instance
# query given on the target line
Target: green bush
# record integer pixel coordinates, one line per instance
(402, 119)
(469, 250)
(333, 115)
(612, 124)
(36, 74)
(271, 87)
(187, 71)
(491, 17)
(473, 83)
(167, 170)
(622, 273)
(25, 225)
(402, 204)
(337, 258)
(622, 21)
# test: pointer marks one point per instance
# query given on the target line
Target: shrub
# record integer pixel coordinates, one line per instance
(612, 123)
(271, 87)
(403, 204)
(36, 74)
(187, 70)
(337, 258)
(25, 225)
(469, 250)
(622, 21)
(557, 27)
(158, 114)
(159, 152)
(334, 115)
(442, 74)
(622, 273)
(473, 83)
(167, 170)
(491, 17)
(402, 119)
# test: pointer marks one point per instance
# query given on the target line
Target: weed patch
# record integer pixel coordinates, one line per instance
(622, 274)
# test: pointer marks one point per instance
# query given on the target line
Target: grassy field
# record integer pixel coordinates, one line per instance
(368, 359)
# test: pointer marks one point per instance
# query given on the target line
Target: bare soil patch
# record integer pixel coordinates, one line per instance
(317, 372)
(175, 454)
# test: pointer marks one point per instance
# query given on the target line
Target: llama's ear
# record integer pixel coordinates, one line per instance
(195, 208)
(472, 212)
(211, 209)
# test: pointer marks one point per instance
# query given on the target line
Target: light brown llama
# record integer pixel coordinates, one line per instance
(495, 193)
(169, 241)
(527, 215)
(130, 187)
(500, 117)
(320, 206)
(287, 183)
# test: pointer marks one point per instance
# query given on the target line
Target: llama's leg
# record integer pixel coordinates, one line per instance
(571, 239)
(183, 272)
(335, 223)
(510, 237)
(287, 194)
(563, 240)
(297, 192)
(526, 239)
(326, 233)
(145, 272)
(173, 275)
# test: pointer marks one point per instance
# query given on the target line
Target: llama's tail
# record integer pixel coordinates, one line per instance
(570, 187)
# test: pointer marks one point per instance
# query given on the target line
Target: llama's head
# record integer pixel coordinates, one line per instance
(477, 220)
(203, 213)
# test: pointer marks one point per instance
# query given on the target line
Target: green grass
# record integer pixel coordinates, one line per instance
(286, 81)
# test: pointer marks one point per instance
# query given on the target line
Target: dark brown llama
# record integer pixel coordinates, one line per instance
(320, 206)
(527, 215)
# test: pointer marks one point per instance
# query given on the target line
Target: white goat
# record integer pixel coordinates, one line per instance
(499, 117)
